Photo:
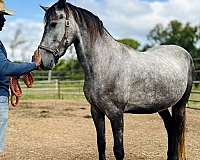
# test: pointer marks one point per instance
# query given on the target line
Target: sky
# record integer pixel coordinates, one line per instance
(123, 19)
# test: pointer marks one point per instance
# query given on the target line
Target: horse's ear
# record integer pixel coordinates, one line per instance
(44, 8)
(62, 3)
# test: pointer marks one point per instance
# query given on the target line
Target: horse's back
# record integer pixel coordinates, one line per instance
(174, 53)
(170, 60)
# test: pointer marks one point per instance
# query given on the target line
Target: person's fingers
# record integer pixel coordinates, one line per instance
(36, 52)
(37, 58)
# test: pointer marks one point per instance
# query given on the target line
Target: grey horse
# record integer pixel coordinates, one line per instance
(119, 79)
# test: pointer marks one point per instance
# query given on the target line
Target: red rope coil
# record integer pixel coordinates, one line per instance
(16, 91)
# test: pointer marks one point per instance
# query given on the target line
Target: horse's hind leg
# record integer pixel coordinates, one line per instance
(175, 126)
(167, 119)
(99, 121)
(178, 120)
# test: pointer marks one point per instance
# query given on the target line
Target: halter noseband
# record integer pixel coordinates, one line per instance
(61, 43)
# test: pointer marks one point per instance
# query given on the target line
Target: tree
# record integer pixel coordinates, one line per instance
(186, 36)
(70, 68)
(17, 41)
(130, 42)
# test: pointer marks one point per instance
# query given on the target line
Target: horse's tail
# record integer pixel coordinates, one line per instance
(179, 116)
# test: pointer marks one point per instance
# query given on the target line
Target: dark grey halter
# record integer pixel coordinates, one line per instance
(61, 43)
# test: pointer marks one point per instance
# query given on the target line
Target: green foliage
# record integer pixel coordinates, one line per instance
(66, 65)
(130, 42)
(60, 66)
(70, 68)
(177, 33)
(184, 35)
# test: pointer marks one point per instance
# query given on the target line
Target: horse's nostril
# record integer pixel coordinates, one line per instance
(50, 65)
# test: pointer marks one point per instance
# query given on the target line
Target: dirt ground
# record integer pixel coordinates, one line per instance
(60, 130)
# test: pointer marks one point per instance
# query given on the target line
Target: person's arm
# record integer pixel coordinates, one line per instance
(8, 68)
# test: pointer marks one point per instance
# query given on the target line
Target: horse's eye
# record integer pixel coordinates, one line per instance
(53, 24)
(61, 16)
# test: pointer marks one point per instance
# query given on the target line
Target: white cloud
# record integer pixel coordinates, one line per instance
(123, 19)
(183, 10)
(135, 18)
(31, 33)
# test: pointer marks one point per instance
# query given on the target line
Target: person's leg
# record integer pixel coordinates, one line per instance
(3, 121)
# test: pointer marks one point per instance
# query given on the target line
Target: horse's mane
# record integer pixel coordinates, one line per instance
(84, 17)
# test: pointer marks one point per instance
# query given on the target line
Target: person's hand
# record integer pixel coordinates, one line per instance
(37, 58)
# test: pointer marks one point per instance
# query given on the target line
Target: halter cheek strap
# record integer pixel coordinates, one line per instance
(61, 43)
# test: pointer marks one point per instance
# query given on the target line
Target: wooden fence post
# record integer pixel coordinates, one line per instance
(58, 88)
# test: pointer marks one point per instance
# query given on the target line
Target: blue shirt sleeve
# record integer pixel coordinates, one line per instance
(8, 68)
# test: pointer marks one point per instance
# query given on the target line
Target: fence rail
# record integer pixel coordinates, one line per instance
(54, 89)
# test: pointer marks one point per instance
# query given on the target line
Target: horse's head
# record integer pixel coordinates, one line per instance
(59, 33)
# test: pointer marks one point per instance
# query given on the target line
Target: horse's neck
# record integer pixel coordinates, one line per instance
(97, 54)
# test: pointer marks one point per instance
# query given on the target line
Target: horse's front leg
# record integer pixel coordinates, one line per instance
(117, 124)
(99, 121)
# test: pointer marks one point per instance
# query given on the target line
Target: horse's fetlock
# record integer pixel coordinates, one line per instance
(119, 153)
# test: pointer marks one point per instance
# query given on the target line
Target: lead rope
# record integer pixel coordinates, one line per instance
(16, 91)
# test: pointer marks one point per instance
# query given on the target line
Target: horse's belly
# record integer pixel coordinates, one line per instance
(143, 109)
(148, 104)
(155, 96)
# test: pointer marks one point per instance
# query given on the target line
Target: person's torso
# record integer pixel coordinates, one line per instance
(4, 80)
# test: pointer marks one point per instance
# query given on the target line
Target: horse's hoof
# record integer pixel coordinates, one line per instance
(172, 158)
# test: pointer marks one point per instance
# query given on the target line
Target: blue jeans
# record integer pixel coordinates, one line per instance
(3, 121)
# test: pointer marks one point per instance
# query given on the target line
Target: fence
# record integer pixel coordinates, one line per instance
(54, 89)
(57, 89)
(75, 74)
